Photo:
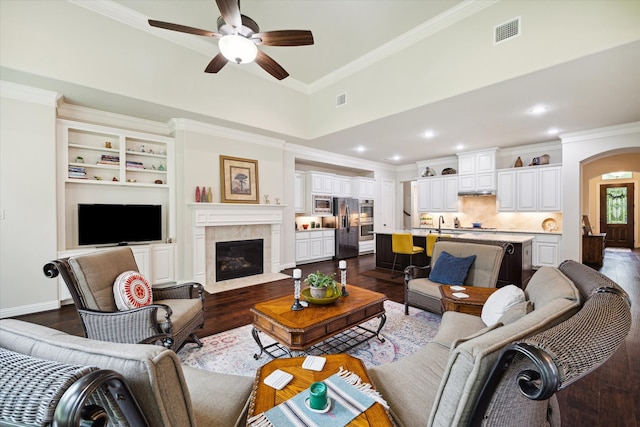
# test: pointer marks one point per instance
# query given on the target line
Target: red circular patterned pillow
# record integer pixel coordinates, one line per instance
(131, 290)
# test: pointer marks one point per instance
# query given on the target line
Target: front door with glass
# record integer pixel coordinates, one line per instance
(616, 214)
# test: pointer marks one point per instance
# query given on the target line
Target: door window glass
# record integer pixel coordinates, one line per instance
(617, 205)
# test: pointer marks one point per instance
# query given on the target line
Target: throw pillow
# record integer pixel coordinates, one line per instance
(499, 302)
(515, 312)
(131, 290)
(451, 270)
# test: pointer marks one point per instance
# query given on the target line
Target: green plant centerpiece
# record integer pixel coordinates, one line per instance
(320, 284)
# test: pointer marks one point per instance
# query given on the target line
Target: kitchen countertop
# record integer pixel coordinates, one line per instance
(477, 234)
(300, 230)
(483, 230)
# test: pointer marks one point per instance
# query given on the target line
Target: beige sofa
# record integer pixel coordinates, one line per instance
(439, 384)
(422, 293)
(169, 394)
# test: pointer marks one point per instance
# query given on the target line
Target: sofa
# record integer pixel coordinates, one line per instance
(421, 292)
(168, 393)
(441, 383)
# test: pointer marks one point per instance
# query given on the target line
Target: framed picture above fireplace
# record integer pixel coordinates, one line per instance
(239, 180)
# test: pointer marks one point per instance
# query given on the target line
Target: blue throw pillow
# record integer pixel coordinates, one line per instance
(451, 270)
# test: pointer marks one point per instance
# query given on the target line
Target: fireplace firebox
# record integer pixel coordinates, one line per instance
(239, 258)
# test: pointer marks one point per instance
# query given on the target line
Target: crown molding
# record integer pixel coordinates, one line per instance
(333, 159)
(605, 132)
(223, 132)
(30, 94)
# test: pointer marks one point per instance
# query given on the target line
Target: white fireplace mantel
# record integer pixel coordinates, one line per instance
(232, 214)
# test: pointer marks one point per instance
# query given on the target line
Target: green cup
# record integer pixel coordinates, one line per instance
(318, 396)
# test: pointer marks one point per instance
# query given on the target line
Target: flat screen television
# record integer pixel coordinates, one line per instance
(103, 224)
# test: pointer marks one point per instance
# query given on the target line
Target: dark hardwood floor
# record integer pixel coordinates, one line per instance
(610, 396)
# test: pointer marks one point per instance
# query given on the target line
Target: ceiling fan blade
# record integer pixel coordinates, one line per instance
(216, 64)
(230, 11)
(183, 28)
(284, 38)
(270, 66)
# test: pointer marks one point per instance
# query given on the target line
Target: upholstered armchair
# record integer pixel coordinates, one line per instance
(421, 292)
(175, 312)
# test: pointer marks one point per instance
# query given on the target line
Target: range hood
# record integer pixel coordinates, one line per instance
(477, 193)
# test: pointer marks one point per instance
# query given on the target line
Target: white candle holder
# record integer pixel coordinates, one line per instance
(297, 275)
(343, 277)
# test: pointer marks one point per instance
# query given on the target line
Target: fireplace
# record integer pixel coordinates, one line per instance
(239, 258)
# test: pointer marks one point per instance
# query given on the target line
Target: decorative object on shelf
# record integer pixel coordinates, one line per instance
(476, 224)
(197, 194)
(79, 159)
(203, 195)
(313, 224)
(161, 167)
(107, 144)
(114, 179)
(129, 180)
(342, 265)
(321, 284)
(586, 226)
(428, 172)
(157, 181)
(549, 224)
(267, 201)
(518, 163)
(449, 171)
(142, 148)
(277, 201)
(209, 195)
(297, 275)
(99, 178)
(150, 151)
(305, 226)
(239, 180)
(542, 160)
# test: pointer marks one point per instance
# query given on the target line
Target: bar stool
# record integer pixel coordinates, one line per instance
(402, 243)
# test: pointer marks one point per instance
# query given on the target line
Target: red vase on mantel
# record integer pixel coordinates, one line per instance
(197, 194)
(203, 196)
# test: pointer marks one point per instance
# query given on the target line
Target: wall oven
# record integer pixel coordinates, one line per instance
(366, 219)
(322, 205)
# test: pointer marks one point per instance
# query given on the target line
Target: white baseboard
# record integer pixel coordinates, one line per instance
(29, 309)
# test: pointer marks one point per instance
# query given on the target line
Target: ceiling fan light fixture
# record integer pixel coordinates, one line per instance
(238, 49)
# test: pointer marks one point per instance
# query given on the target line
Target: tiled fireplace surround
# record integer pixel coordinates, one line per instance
(217, 222)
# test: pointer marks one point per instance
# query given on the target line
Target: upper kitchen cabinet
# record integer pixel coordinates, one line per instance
(299, 198)
(477, 171)
(530, 189)
(319, 183)
(364, 188)
(438, 194)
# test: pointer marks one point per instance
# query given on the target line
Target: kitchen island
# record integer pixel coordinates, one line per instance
(516, 267)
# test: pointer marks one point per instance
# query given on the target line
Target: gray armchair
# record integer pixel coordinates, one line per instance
(422, 293)
(177, 310)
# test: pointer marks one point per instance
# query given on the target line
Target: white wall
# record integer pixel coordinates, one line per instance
(578, 149)
(27, 199)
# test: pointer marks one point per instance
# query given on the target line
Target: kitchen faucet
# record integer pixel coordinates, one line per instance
(440, 222)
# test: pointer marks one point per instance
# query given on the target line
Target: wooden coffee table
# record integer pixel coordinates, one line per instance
(472, 305)
(264, 397)
(301, 331)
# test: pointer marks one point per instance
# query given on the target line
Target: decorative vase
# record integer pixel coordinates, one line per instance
(318, 292)
(518, 162)
(203, 197)
(209, 195)
(197, 194)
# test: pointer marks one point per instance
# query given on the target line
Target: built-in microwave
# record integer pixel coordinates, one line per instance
(322, 205)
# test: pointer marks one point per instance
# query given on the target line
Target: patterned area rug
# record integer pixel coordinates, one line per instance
(232, 351)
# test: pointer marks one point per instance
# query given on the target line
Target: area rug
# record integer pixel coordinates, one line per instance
(243, 282)
(232, 351)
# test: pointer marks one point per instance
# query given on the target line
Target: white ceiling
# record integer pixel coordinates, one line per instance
(590, 92)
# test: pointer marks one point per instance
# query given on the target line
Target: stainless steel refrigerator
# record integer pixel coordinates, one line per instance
(347, 234)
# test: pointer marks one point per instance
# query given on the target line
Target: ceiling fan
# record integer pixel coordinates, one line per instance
(239, 37)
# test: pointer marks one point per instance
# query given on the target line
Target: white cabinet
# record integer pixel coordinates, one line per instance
(319, 183)
(534, 189)
(364, 188)
(298, 196)
(347, 187)
(438, 194)
(477, 171)
(546, 250)
(314, 245)
(367, 246)
(163, 263)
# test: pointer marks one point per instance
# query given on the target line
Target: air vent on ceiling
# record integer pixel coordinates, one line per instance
(341, 99)
(506, 31)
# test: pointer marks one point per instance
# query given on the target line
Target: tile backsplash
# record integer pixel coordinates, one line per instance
(483, 209)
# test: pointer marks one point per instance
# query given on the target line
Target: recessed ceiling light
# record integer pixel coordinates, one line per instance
(553, 131)
(395, 158)
(459, 147)
(429, 134)
(538, 109)
(360, 149)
